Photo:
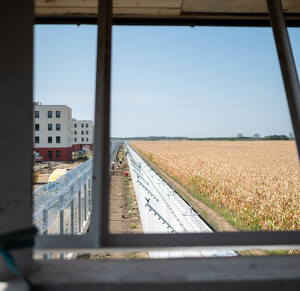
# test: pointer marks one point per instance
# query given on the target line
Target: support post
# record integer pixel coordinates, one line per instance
(61, 218)
(79, 211)
(89, 195)
(45, 226)
(99, 217)
(287, 64)
(72, 217)
(16, 79)
(84, 204)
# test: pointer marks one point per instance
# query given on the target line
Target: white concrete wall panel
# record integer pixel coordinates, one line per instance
(65, 122)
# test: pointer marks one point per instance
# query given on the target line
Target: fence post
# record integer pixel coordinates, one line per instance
(84, 204)
(89, 195)
(79, 208)
(61, 217)
(45, 227)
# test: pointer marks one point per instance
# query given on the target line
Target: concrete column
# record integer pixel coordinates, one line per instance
(16, 78)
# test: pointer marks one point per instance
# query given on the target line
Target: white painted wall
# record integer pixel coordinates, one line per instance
(85, 134)
(65, 121)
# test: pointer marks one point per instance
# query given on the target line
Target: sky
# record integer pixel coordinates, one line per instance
(169, 81)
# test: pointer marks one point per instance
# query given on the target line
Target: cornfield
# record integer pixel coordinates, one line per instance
(257, 180)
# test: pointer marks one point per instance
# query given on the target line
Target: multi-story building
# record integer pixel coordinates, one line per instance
(52, 132)
(82, 135)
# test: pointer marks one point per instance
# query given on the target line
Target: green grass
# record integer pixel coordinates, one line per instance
(89, 154)
(132, 256)
(132, 226)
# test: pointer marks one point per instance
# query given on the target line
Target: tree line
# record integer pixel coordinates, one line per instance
(239, 136)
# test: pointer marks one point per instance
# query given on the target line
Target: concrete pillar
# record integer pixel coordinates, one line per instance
(16, 78)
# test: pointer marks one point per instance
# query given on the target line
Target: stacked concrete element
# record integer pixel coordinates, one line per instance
(162, 210)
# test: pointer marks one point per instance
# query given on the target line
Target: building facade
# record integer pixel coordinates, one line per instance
(52, 132)
(82, 135)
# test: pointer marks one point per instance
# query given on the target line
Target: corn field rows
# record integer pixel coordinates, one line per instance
(257, 180)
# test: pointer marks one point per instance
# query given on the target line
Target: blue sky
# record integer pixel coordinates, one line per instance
(172, 81)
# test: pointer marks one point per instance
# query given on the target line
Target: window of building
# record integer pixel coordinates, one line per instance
(82, 139)
(82, 125)
(49, 127)
(75, 132)
(49, 114)
(75, 139)
(58, 154)
(87, 132)
(57, 126)
(57, 114)
(87, 139)
(37, 127)
(58, 139)
(86, 125)
(49, 139)
(75, 125)
(50, 153)
(37, 139)
(82, 132)
(36, 114)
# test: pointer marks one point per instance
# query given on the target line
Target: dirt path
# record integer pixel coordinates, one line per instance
(124, 214)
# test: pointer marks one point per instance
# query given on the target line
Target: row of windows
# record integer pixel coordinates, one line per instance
(82, 132)
(57, 114)
(37, 127)
(82, 125)
(37, 139)
(82, 139)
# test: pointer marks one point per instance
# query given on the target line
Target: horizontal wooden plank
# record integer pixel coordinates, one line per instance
(147, 11)
(66, 3)
(235, 6)
(224, 6)
(63, 11)
(116, 3)
(92, 11)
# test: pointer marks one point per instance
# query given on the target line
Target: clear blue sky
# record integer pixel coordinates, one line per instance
(172, 81)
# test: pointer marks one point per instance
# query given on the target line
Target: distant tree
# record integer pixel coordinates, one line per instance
(256, 136)
(276, 137)
(239, 136)
(291, 135)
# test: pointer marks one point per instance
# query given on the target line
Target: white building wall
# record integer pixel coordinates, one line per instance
(82, 132)
(43, 132)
